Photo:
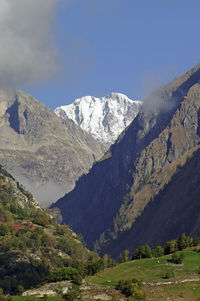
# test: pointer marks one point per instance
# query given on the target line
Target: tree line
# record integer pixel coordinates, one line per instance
(171, 246)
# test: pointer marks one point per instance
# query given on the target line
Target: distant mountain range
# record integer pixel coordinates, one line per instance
(145, 188)
(104, 118)
(43, 152)
(48, 154)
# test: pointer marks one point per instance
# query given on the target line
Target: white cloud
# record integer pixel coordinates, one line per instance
(27, 52)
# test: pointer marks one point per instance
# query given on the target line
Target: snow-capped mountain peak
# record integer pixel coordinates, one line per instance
(104, 118)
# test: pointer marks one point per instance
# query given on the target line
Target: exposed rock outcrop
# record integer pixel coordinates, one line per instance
(89, 292)
(44, 152)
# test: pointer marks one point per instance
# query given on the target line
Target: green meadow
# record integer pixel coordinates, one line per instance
(150, 270)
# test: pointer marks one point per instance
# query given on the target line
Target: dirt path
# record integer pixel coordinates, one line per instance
(171, 282)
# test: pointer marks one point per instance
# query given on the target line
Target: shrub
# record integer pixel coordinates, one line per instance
(168, 275)
(73, 293)
(171, 246)
(184, 241)
(142, 252)
(158, 251)
(124, 257)
(131, 288)
(61, 230)
(20, 289)
(177, 258)
(41, 219)
(4, 229)
(68, 273)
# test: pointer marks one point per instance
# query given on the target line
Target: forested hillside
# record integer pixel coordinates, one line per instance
(32, 244)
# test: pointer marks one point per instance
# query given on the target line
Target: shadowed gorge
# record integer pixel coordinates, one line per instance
(171, 212)
(108, 197)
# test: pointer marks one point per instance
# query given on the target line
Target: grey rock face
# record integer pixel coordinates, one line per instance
(166, 128)
(45, 153)
(174, 210)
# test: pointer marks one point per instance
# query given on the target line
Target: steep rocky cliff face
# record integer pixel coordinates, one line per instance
(172, 211)
(45, 153)
(109, 197)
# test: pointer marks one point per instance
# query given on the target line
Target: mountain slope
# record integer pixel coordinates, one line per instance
(32, 244)
(104, 118)
(43, 152)
(161, 280)
(165, 129)
(171, 211)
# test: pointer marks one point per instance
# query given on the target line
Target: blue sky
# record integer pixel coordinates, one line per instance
(127, 46)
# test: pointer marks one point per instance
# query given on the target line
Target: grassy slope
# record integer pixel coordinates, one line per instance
(149, 270)
(176, 292)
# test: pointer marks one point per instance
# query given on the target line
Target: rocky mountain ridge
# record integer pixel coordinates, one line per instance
(45, 153)
(165, 129)
(104, 118)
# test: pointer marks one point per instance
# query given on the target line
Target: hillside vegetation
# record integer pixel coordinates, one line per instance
(33, 247)
(161, 278)
(150, 270)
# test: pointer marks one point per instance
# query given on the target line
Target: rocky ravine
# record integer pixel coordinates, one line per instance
(166, 128)
(43, 152)
(104, 118)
